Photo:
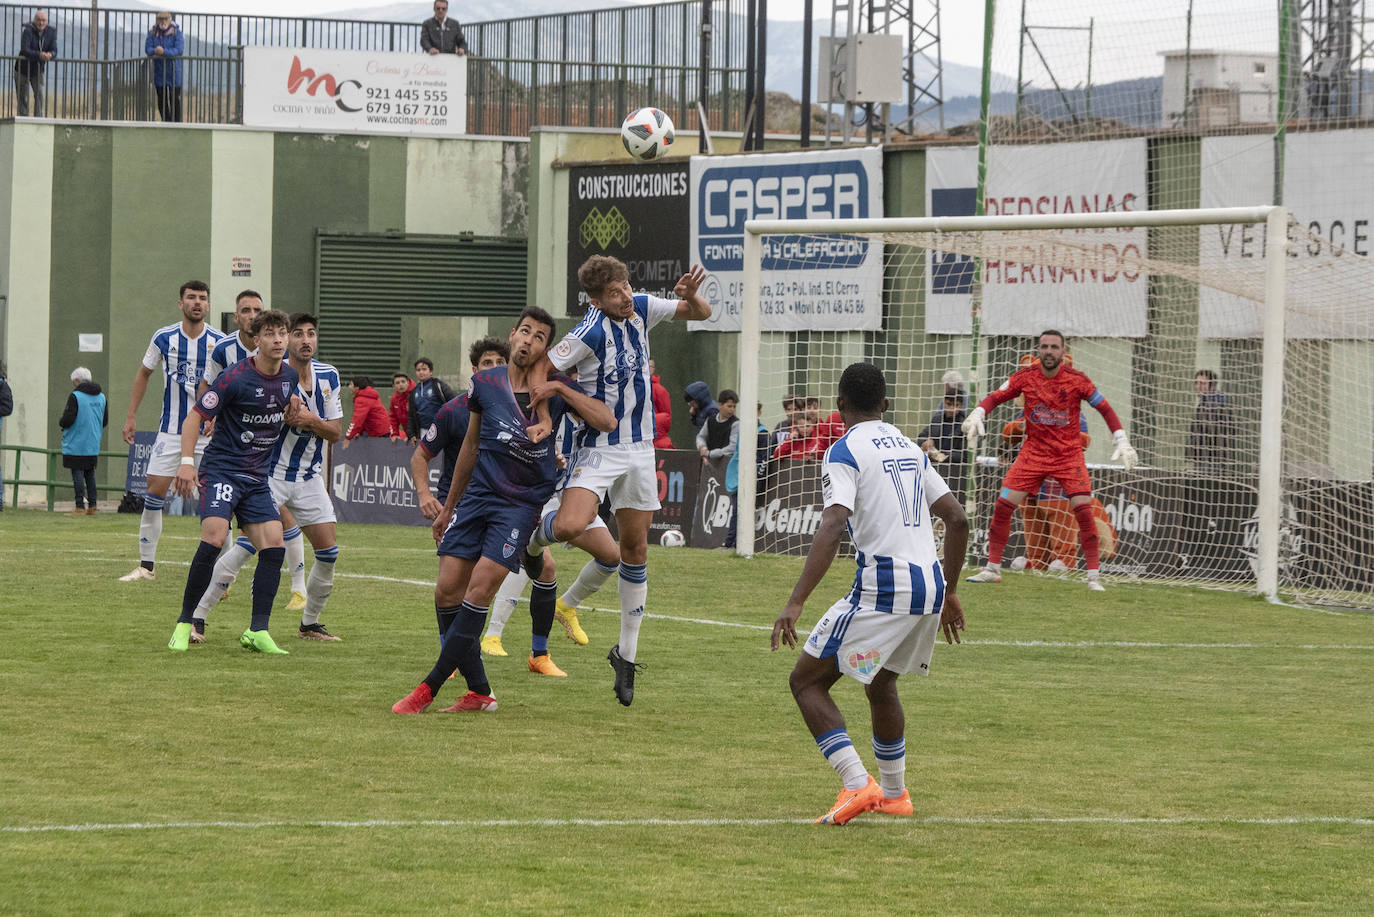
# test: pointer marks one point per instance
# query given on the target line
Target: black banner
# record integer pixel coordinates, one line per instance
(679, 473)
(637, 212)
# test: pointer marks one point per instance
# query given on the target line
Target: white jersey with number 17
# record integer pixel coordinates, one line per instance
(888, 484)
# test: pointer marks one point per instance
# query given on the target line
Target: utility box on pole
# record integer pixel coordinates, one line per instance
(861, 68)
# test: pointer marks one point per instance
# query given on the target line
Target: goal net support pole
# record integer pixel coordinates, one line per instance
(1275, 219)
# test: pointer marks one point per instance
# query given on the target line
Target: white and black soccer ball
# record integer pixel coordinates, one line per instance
(672, 539)
(647, 133)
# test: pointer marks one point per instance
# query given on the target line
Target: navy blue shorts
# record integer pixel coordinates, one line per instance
(226, 497)
(491, 527)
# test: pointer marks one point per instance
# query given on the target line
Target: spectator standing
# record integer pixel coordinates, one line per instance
(761, 450)
(369, 417)
(37, 46)
(442, 35)
(718, 436)
(700, 405)
(427, 396)
(6, 409)
(791, 406)
(943, 440)
(164, 46)
(663, 410)
(85, 415)
(400, 405)
(1210, 431)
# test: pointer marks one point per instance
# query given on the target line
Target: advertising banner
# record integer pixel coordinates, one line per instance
(634, 212)
(370, 482)
(136, 471)
(359, 91)
(679, 473)
(713, 507)
(1092, 288)
(809, 282)
(1238, 172)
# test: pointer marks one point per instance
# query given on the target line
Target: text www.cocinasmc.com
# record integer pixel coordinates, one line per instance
(407, 119)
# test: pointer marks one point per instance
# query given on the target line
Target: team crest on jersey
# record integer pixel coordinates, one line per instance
(286, 389)
(431, 431)
(563, 349)
(865, 663)
(210, 400)
(246, 436)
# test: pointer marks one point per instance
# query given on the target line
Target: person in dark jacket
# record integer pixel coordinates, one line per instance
(1210, 434)
(442, 35)
(700, 405)
(6, 409)
(427, 396)
(82, 421)
(164, 47)
(37, 46)
(369, 417)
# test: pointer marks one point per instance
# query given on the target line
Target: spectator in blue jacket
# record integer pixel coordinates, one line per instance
(164, 46)
(82, 420)
(37, 46)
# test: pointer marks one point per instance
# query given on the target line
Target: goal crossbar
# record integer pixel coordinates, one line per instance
(1275, 218)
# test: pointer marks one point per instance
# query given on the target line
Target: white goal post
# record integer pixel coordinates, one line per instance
(977, 239)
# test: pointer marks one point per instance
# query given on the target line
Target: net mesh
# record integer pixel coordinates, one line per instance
(1143, 319)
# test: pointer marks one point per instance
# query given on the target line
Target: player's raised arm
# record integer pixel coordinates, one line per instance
(1124, 451)
(824, 546)
(692, 306)
(593, 410)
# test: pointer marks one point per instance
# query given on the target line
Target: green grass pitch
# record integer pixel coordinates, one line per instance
(1149, 750)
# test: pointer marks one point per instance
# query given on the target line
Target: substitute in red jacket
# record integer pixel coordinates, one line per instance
(369, 417)
(400, 405)
(663, 410)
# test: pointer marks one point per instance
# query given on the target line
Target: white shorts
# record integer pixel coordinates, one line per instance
(862, 640)
(557, 500)
(624, 471)
(308, 500)
(166, 457)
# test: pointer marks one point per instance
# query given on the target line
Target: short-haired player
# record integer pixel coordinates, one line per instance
(252, 402)
(880, 487)
(182, 350)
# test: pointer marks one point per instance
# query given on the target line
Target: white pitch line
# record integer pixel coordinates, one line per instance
(975, 820)
(1048, 644)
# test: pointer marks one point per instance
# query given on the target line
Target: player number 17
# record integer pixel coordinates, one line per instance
(900, 471)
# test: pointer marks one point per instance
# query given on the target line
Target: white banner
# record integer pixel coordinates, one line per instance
(809, 282)
(359, 91)
(1094, 292)
(1328, 194)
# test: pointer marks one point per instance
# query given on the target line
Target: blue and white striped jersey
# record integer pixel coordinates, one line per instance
(225, 354)
(300, 452)
(888, 484)
(612, 362)
(183, 361)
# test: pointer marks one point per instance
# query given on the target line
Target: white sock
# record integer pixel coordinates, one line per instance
(633, 587)
(504, 604)
(839, 751)
(295, 559)
(592, 578)
(321, 582)
(891, 766)
(226, 571)
(150, 527)
(542, 536)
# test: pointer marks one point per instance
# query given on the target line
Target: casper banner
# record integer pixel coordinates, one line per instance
(808, 282)
(361, 91)
(370, 482)
(1094, 287)
(635, 212)
(1326, 191)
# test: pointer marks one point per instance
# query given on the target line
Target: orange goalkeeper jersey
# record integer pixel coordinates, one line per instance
(1052, 412)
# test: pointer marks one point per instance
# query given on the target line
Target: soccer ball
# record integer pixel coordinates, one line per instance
(672, 539)
(647, 133)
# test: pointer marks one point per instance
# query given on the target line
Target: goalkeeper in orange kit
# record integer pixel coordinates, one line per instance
(1054, 392)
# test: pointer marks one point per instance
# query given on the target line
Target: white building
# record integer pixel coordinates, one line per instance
(1209, 89)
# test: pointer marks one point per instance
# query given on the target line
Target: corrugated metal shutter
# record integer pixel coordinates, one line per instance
(365, 283)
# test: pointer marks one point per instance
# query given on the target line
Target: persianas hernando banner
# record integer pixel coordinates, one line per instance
(357, 91)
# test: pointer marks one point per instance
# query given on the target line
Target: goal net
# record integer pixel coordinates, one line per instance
(1243, 379)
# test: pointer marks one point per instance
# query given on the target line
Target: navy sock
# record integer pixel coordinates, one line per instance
(266, 578)
(461, 651)
(542, 599)
(445, 614)
(198, 579)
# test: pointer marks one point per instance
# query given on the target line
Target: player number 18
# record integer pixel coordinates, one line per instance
(900, 470)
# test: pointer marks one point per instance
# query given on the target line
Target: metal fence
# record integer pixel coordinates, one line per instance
(584, 69)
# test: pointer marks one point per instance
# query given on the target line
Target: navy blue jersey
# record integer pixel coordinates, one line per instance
(508, 464)
(445, 435)
(251, 409)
